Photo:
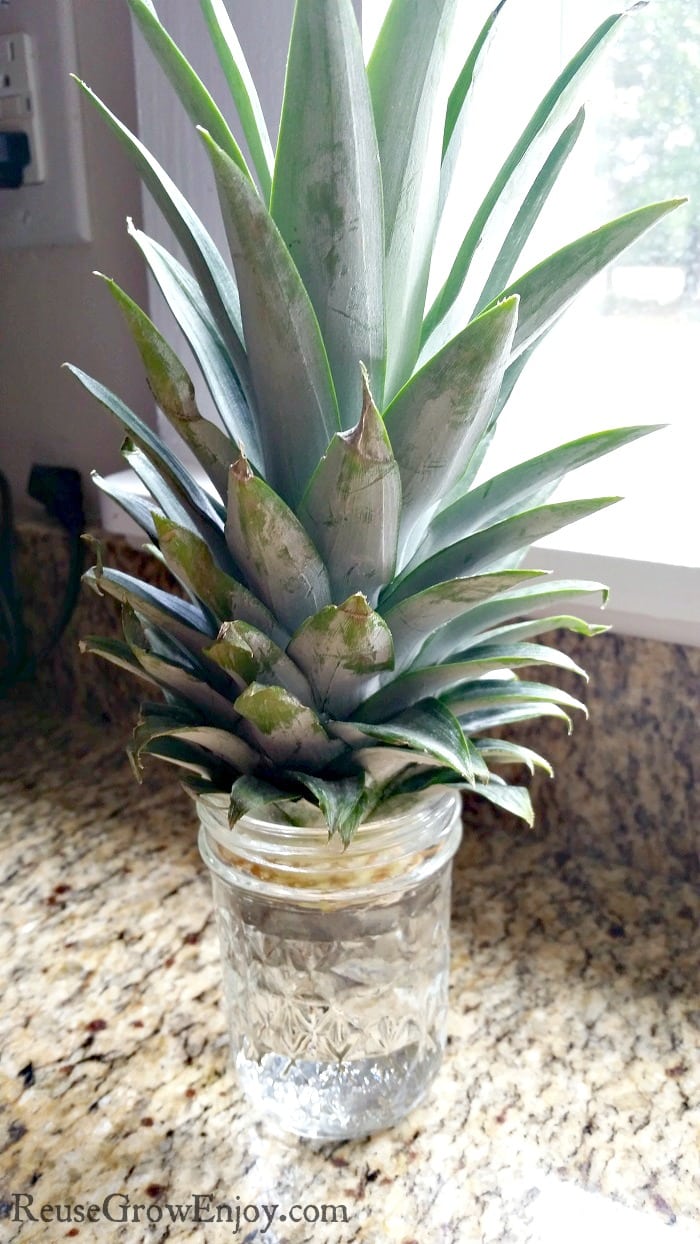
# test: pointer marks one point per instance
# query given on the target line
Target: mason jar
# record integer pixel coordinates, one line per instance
(335, 961)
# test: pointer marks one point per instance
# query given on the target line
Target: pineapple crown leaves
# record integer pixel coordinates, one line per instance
(351, 621)
(352, 505)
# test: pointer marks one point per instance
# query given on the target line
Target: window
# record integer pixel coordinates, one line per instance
(626, 352)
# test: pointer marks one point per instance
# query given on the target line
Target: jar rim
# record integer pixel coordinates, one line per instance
(284, 860)
(429, 798)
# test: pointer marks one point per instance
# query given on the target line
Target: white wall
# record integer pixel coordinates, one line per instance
(51, 308)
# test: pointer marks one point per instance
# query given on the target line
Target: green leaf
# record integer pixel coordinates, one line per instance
(488, 719)
(430, 727)
(511, 378)
(197, 787)
(503, 752)
(438, 418)
(181, 753)
(340, 648)
(248, 655)
(462, 88)
(209, 269)
(525, 654)
(199, 502)
(191, 562)
(409, 98)
(345, 802)
(190, 90)
(173, 391)
(388, 766)
(117, 653)
(437, 680)
(548, 289)
(189, 687)
(150, 547)
(455, 302)
(513, 490)
(409, 778)
(173, 676)
(225, 372)
(460, 117)
(352, 505)
(164, 497)
(487, 693)
(514, 799)
(536, 626)
(186, 622)
(142, 635)
(136, 506)
(243, 92)
(530, 212)
(417, 617)
(252, 794)
(485, 550)
(466, 479)
(327, 194)
(169, 712)
(222, 744)
(272, 548)
(287, 358)
(503, 608)
(174, 504)
(288, 732)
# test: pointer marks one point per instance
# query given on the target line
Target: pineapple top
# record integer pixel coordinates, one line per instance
(356, 620)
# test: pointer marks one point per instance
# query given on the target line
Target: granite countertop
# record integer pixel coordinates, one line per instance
(568, 1105)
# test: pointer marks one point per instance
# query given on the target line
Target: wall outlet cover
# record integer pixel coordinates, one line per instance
(38, 52)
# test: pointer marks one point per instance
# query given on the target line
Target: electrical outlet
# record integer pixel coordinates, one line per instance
(38, 52)
(19, 100)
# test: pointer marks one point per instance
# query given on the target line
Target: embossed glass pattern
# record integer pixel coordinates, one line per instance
(335, 963)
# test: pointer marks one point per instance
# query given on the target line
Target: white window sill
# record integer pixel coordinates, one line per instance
(651, 599)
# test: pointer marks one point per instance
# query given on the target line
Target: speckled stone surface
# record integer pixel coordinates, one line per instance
(75, 683)
(627, 780)
(567, 1108)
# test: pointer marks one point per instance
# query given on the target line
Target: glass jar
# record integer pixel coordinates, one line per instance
(335, 961)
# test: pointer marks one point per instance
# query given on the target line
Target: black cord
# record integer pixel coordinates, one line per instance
(11, 620)
(60, 491)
